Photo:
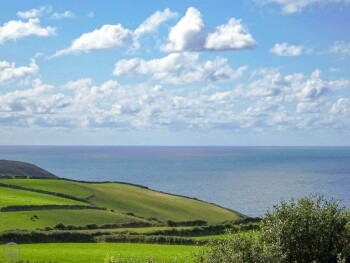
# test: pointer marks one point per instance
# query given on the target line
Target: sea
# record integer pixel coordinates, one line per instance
(246, 179)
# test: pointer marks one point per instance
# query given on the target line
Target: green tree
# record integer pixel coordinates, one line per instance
(311, 229)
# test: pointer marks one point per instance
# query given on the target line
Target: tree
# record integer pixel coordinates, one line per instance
(311, 229)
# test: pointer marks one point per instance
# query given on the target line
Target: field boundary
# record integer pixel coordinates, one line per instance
(15, 208)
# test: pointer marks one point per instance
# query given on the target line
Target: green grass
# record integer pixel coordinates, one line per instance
(20, 197)
(22, 220)
(128, 198)
(95, 253)
(59, 186)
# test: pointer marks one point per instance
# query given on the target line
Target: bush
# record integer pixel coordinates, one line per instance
(238, 248)
(310, 230)
(307, 230)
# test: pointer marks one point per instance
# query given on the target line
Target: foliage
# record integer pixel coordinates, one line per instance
(238, 248)
(307, 230)
(310, 230)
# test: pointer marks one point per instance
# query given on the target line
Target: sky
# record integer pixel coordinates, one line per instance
(254, 72)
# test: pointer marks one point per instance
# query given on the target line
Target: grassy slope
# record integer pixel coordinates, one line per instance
(22, 220)
(73, 253)
(20, 197)
(142, 202)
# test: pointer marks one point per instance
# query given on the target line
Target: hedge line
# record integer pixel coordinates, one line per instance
(204, 231)
(133, 224)
(22, 237)
(187, 223)
(14, 208)
(170, 240)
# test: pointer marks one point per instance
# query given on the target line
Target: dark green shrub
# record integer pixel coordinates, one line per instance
(311, 229)
(238, 248)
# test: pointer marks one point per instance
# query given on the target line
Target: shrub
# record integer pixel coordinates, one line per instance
(310, 230)
(238, 248)
(307, 230)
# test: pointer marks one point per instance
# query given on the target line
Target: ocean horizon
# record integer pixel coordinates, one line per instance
(248, 179)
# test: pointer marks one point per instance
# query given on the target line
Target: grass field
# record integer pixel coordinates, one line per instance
(141, 202)
(22, 220)
(95, 253)
(10, 197)
(123, 203)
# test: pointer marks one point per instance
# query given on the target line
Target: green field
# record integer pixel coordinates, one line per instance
(124, 198)
(95, 253)
(10, 197)
(22, 220)
(118, 204)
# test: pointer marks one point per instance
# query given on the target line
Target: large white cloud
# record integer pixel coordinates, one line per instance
(39, 99)
(294, 6)
(293, 87)
(188, 35)
(109, 36)
(177, 68)
(231, 36)
(9, 71)
(286, 50)
(16, 29)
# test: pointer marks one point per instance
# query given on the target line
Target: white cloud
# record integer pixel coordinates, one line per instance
(109, 36)
(34, 12)
(286, 50)
(295, 6)
(152, 23)
(179, 68)
(340, 48)
(298, 103)
(188, 35)
(308, 107)
(40, 99)
(231, 36)
(292, 88)
(63, 15)
(9, 71)
(315, 86)
(341, 106)
(14, 29)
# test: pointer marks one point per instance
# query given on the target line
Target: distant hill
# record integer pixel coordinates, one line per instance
(16, 169)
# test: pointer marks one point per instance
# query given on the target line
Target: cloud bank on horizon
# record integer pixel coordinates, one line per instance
(181, 74)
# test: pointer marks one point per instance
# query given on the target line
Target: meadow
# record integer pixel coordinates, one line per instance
(95, 253)
(61, 220)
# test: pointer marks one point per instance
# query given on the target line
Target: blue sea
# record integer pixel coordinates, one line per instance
(247, 179)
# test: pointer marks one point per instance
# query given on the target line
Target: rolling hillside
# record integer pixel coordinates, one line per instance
(54, 201)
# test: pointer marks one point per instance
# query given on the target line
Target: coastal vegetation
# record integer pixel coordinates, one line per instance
(59, 220)
(308, 230)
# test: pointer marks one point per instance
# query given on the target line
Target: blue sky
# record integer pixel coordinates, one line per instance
(259, 72)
